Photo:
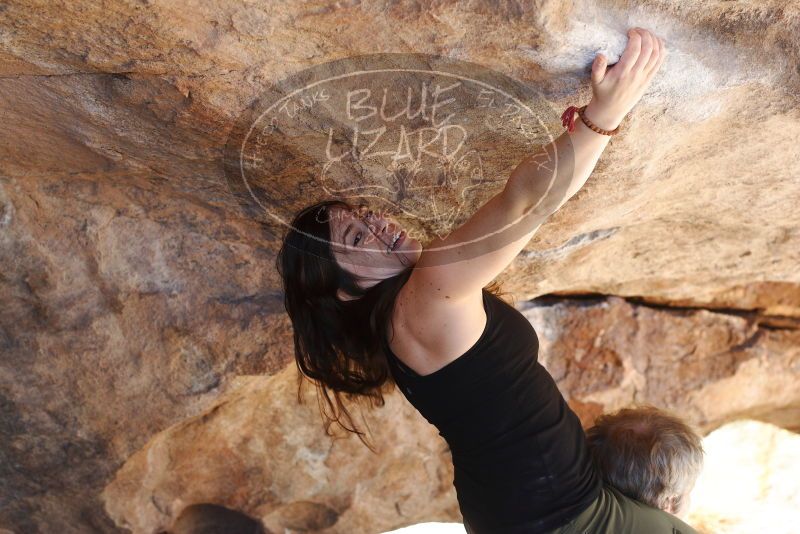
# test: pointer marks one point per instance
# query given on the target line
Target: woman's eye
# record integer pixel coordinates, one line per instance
(357, 239)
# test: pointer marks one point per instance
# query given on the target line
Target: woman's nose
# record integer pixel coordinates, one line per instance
(379, 225)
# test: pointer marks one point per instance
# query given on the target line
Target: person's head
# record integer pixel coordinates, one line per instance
(341, 276)
(649, 455)
(334, 248)
(369, 245)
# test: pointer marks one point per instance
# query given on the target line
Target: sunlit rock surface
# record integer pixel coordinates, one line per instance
(750, 482)
(134, 289)
(257, 451)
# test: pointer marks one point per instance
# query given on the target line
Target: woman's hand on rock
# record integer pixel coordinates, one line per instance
(615, 91)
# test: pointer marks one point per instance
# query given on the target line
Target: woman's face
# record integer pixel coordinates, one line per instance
(366, 244)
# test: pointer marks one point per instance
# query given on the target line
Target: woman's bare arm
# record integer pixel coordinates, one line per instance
(527, 187)
(458, 266)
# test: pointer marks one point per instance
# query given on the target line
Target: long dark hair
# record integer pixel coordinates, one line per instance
(338, 344)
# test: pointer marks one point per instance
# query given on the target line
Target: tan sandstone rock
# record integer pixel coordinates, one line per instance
(256, 450)
(134, 287)
(257, 453)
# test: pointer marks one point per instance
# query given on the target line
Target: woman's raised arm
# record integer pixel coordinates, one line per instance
(471, 256)
(614, 93)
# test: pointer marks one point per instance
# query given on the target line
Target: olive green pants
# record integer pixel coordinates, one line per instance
(614, 513)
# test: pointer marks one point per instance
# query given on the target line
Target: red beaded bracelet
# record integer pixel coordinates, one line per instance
(568, 120)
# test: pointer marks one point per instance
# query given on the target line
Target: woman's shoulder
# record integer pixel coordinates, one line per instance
(419, 306)
(431, 330)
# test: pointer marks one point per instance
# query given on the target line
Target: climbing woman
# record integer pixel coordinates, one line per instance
(372, 308)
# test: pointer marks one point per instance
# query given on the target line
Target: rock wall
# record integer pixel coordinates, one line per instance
(134, 289)
(257, 451)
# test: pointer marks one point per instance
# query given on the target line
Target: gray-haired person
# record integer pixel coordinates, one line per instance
(649, 455)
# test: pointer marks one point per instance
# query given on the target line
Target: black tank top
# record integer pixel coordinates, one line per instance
(520, 458)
